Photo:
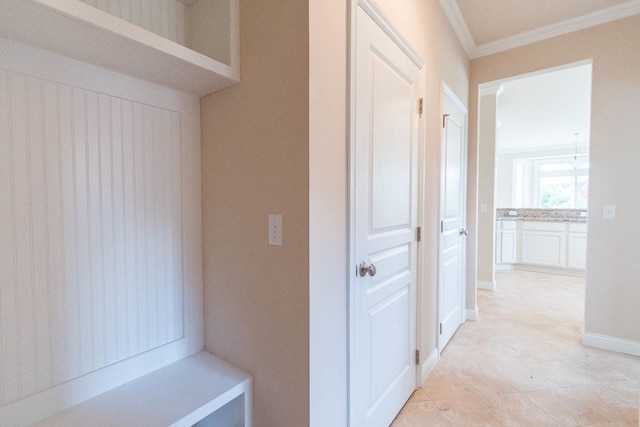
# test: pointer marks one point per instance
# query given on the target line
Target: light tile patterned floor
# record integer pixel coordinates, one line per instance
(522, 364)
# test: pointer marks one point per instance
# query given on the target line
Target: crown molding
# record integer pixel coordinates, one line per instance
(575, 24)
(452, 11)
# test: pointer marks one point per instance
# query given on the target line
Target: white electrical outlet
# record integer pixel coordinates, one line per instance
(275, 229)
(513, 213)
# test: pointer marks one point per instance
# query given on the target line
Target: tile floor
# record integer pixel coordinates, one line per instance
(522, 364)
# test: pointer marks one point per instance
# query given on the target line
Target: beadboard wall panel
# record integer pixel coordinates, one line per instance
(166, 18)
(99, 226)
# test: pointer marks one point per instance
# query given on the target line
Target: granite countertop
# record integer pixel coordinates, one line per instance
(541, 215)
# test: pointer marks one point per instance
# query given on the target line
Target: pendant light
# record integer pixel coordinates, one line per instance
(574, 163)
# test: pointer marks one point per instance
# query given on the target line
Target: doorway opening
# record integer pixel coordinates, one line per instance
(533, 174)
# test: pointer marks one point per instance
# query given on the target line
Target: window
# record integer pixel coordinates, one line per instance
(561, 182)
(555, 183)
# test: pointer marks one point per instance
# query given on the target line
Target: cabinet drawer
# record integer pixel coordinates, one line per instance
(577, 227)
(543, 226)
(508, 225)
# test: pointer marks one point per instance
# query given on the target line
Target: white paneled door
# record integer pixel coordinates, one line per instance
(383, 333)
(452, 217)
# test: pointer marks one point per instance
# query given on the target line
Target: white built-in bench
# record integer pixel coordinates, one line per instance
(201, 390)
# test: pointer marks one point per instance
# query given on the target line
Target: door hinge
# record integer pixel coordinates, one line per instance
(420, 106)
(444, 120)
(417, 357)
(418, 234)
(442, 226)
(440, 328)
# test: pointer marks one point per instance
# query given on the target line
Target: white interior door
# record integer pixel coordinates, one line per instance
(452, 215)
(383, 333)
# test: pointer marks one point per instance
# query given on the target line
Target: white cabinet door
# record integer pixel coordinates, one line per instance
(508, 247)
(543, 244)
(498, 243)
(506, 241)
(577, 252)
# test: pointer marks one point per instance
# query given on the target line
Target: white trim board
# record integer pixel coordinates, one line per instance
(451, 10)
(378, 16)
(449, 93)
(428, 365)
(611, 343)
(542, 269)
(473, 313)
(489, 286)
(561, 67)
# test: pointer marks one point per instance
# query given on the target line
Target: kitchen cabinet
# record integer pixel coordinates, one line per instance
(506, 242)
(541, 244)
(577, 246)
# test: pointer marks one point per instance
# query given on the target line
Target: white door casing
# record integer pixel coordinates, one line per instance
(384, 202)
(451, 265)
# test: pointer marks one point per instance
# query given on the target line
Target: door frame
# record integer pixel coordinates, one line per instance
(379, 17)
(473, 287)
(447, 92)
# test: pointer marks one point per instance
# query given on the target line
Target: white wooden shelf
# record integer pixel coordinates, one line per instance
(180, 394)
(76, 30)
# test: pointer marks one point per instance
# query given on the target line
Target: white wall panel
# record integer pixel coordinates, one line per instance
(163, 17)
(91, 195)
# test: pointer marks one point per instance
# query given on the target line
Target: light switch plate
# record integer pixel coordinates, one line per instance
(275, 229)
(608, 211)
(483, 208)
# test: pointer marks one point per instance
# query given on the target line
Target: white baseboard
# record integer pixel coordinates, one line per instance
(489, 286)
(543, 269)
(611, 343)
(429, 364)
(472, 313)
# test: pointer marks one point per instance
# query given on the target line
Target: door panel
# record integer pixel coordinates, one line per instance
(387, 366)
(453, 161)
(390, 147)
(452, 215)
(383, 335)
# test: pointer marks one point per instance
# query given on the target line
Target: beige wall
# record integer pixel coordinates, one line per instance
(486, 192)
(425, 26)
(613, 272)
(255, 161)
(277, 142)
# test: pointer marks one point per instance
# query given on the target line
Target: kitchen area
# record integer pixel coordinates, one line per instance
(537, 220)
(545, 240)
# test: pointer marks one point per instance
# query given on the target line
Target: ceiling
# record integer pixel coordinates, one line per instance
(545, 111)
(490, 26)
